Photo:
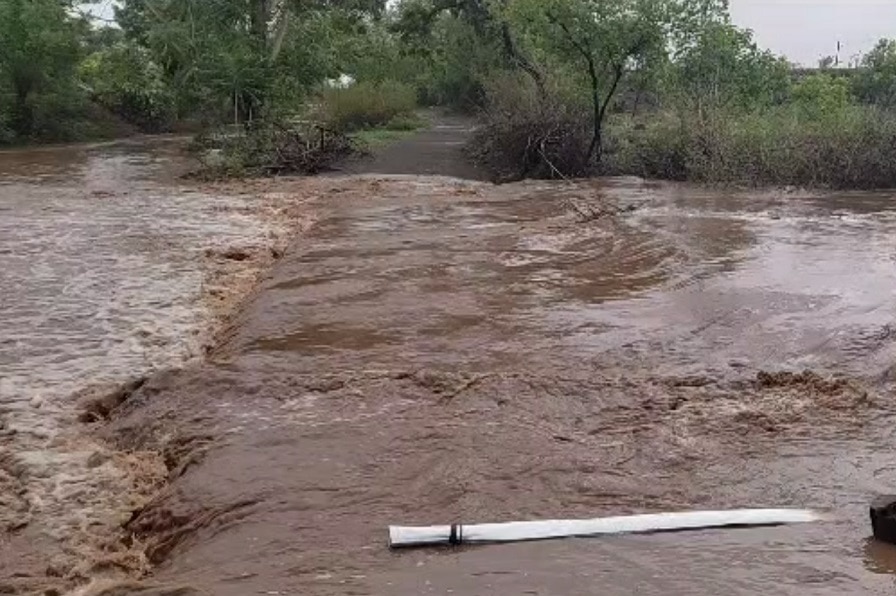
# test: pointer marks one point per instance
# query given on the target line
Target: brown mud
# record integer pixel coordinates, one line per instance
(433, 350)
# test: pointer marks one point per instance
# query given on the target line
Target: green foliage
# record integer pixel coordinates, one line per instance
(448, 48)
(722, 67)
(207, 51)
(457, 65)
(367, 105)
(850, 148)
(405, 122)
(227, 60)
(821, 96)
(372, 53)
(125, 80)
(608, 39)
(246, 59)
(373, 138)
(39, 53)
(876, 81)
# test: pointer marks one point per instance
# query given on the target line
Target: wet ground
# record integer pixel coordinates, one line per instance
(435, 151)
(434, 350)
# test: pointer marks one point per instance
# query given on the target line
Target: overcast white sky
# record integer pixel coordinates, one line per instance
(806, 30)
(802, 30)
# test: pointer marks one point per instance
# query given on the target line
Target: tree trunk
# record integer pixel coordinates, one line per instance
(280, 34)
(519, 60)
(597, 144)
(23, 115)
(596, 148)
(261, 14)
(637, 103)
(600, 105)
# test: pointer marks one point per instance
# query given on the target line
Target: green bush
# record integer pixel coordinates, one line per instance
(366, 105)
(59, 116)
(652, 147)
(875, 82)
(847, 147)
(405, 122)
(821, 96)
(446, 59)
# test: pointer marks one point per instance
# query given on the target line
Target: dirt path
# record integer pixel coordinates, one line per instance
(434, 151)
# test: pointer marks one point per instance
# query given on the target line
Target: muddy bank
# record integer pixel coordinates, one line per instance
(112, 271)
(434, 350)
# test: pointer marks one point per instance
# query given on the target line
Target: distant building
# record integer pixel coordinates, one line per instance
(344, 81)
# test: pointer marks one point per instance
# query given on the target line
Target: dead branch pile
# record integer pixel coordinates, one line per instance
(531, 136)
(265, 149)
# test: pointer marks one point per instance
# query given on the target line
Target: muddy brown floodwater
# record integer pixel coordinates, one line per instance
(434, 350)
(109, 270)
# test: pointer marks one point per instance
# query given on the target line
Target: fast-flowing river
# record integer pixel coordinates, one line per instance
(431, 350)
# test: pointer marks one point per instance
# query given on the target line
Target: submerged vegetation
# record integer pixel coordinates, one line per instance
(658, 88)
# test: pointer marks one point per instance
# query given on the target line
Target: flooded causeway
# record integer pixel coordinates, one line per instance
(431, 350)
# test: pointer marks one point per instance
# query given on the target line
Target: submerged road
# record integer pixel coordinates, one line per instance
(434, 350)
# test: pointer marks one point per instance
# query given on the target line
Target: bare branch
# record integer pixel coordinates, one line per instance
(552, 18)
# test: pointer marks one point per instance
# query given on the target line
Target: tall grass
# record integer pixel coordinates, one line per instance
(820, 138)
(368, 105)
(850, 147)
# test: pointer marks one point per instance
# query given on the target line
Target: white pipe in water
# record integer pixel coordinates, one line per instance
(400, 536)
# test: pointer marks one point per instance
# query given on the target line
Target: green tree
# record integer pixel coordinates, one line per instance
(607, 39)
(723, 68)
(39, 53)
(124, 79)
(241, 53)
(875, 83)
(461, 42)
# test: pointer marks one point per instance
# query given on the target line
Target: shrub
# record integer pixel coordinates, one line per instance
(58, 117)
(405, 122)
(656, 147)
(366, 105)
(875, 82)
(847, 147)
(525, 133)
(821, 96)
